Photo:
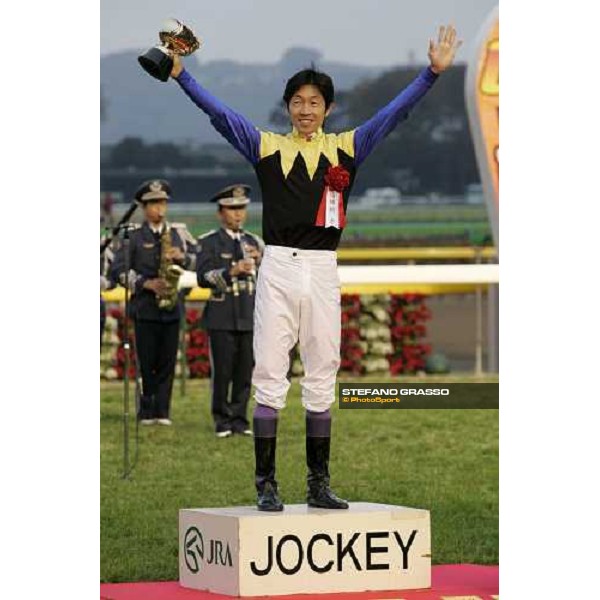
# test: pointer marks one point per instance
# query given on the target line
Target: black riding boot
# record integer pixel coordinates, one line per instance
(319, 493)
(266, 486)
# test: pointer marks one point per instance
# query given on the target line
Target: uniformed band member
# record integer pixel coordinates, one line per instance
(155, 310)
(306, 178)
(227, 260)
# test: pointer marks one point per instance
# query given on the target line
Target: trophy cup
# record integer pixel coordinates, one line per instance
(176, 38)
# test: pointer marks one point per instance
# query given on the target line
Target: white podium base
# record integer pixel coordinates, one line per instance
(240, 551)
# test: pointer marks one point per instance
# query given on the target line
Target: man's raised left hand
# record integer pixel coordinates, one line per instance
(441, 55)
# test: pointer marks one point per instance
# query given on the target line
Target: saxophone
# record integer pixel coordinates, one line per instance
(169, 272)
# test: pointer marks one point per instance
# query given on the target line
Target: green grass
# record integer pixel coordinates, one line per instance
(442, 460)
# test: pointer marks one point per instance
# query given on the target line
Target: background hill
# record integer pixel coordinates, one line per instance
(138, 106)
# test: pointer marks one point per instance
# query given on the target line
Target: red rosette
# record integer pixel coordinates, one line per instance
(337, 178)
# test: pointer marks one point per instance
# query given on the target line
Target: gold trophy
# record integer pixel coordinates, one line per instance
(176, 38)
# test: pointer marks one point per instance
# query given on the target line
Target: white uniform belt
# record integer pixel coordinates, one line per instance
(285, 252)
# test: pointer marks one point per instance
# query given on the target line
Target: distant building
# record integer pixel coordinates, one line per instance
(474, 193)
(378, 198)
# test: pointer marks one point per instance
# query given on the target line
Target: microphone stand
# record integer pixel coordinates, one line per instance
(127, 467)
(124, 226)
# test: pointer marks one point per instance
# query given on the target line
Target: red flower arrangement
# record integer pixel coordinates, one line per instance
(197, 350)
(118, 360)
(351, 351)
(199, 370)
(192, 316)
(408, 312)
(121, 371)
(351, 305)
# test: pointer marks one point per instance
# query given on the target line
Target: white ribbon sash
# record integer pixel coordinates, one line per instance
(332, 209)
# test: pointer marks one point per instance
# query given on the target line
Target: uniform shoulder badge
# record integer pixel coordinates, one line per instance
(205, 235)
(183, 231)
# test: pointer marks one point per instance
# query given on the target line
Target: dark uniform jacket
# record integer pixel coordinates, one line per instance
(144, 264)
(231, 305)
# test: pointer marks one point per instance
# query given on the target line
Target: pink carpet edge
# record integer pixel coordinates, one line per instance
(477, 581)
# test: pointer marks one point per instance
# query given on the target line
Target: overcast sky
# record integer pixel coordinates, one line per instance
(367, 32)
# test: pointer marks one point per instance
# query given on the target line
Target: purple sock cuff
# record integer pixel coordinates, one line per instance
(318, 424)
(265, 421)
(265, 412)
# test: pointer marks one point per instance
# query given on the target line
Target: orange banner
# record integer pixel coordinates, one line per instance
(483, 104)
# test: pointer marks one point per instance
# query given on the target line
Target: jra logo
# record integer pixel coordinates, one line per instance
(193, 551)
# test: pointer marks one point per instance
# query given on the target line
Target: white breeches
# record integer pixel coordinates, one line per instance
(297, 300)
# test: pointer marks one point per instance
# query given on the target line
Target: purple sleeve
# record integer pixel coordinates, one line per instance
(369, 134)
(235, 128)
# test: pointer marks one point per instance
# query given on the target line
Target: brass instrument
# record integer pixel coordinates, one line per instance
(235, 284)
(252, 277)
(249, 281)
(169, 272)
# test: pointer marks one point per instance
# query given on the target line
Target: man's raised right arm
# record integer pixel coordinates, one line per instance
(235, 128)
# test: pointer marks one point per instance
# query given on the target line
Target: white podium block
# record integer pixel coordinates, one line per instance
(241, 551)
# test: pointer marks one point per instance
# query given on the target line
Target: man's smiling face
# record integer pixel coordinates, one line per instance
(307, 110)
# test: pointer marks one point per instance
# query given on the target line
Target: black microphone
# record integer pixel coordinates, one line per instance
(120, 225)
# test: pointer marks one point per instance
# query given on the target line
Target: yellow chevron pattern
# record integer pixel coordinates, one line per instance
(293, 143)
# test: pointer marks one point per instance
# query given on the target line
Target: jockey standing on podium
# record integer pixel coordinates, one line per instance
(306, 178)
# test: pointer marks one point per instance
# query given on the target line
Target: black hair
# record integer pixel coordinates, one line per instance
(310, 76)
